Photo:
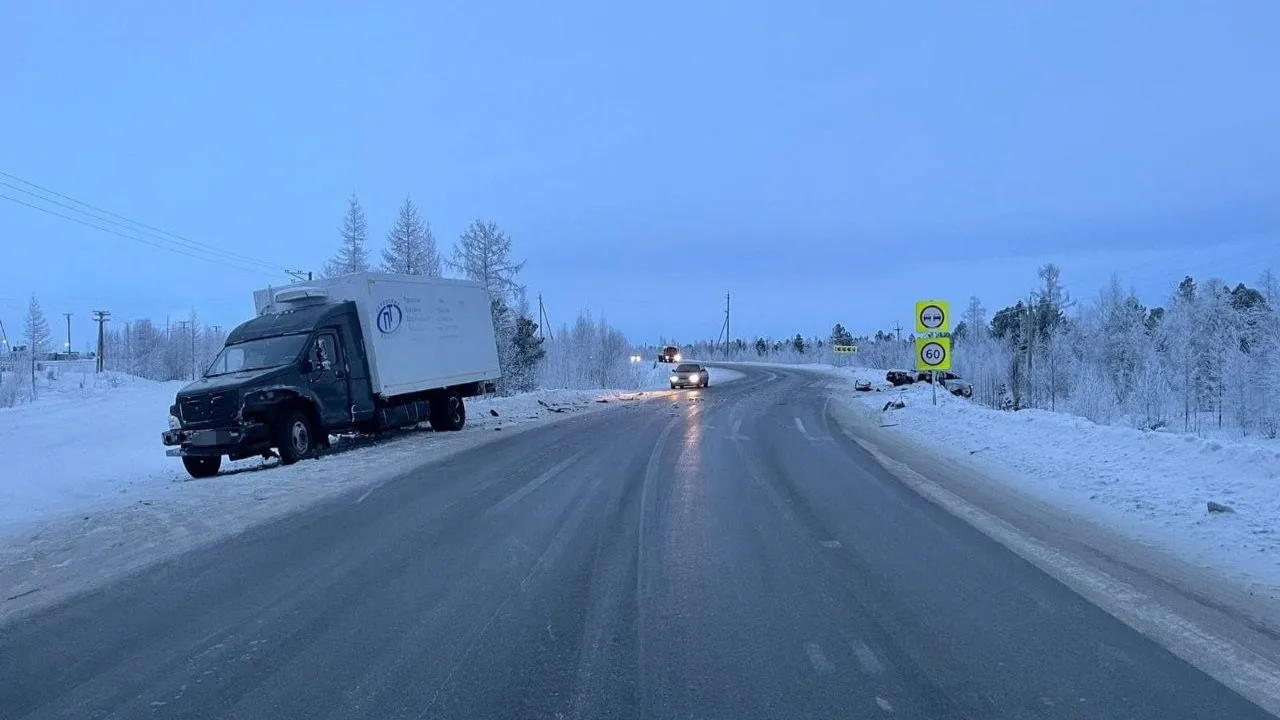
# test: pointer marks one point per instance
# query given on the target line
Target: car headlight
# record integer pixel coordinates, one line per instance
(675, 378)
(174, 423)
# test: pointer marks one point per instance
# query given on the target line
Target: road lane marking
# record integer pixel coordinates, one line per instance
(366, 494)
(1247, 672)
(831, 543)
(803, 431)
(885, 705)
(537, 482)
(736, 433)
(817, 658)
(867, 659)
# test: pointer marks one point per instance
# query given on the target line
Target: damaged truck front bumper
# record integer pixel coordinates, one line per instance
(241, 441)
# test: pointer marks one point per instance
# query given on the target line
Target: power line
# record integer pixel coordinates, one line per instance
(218, 253)
(152, 231)
(221, 261)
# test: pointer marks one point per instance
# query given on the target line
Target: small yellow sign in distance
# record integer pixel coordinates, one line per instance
(933, 353)
(932, 316)
(845, 349)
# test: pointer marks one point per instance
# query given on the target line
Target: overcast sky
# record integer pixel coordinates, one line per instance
(823, 161)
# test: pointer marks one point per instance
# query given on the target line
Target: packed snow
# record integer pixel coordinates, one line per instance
(1152, 486)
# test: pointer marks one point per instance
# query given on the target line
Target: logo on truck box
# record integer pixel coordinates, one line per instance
(389, 317)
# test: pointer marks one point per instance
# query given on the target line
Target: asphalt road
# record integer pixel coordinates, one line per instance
(724, 553)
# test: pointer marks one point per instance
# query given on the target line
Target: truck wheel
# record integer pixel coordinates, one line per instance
(448, 412)
(202, 466)
(294, 437)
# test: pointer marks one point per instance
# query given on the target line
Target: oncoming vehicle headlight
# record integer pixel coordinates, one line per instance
(677, 357)
(675, 378)
(174, 423)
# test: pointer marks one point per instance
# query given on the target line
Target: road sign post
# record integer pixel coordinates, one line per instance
(933, 341)
(933, 354)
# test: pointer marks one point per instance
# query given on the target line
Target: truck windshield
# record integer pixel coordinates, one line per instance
(257, 354)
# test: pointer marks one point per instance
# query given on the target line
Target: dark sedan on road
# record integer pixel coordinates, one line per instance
(690, 375)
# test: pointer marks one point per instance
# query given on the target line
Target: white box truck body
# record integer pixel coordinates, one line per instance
(420, 333)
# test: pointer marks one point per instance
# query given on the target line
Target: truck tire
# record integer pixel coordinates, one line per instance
(204, 466)
(294, 437)
(448, 412)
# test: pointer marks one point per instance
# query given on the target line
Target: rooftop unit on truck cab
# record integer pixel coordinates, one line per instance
(358, 353)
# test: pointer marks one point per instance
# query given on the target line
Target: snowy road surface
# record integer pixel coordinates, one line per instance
(726, 553)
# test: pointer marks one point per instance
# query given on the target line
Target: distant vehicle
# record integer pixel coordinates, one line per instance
(900, 377)
(669, 354)
(356, 353)
(690, 375)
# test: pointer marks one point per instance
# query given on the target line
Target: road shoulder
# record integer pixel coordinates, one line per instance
(1218, 624)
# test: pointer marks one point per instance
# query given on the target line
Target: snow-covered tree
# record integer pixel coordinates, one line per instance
(483, 253)
(411, 246)
(37, 335)
(527, 354)
(841, 336)
(353, 251)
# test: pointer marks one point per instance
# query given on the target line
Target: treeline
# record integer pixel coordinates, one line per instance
(590, 354)
(1206, 358)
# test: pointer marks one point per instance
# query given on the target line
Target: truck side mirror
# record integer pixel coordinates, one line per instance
(305, 367)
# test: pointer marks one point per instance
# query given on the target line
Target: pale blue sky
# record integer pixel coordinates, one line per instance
(824, 161)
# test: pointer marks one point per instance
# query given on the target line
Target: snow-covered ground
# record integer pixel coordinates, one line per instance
(87, 492)
(1148, 485)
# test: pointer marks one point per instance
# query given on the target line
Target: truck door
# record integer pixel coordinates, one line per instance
(329, 379)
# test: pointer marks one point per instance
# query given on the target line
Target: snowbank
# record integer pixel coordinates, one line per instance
(87, 492)
(1151, 486)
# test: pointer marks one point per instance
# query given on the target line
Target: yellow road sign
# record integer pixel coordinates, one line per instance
(933, 353)
(845, 349)
(932, 316)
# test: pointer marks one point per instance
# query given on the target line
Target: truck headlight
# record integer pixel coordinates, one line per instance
(174, 423)
(676, 358)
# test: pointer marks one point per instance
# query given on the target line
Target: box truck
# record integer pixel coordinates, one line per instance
(361, 353)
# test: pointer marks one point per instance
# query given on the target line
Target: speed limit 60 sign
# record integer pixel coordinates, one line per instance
(933, 353)
(932, 316)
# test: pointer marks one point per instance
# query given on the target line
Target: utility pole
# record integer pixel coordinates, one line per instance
(724, 329)
(4, 338)
(544, 320)
(298, 275)
(102, 316)
(68, 316)
(898, 329)
(186, 328)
